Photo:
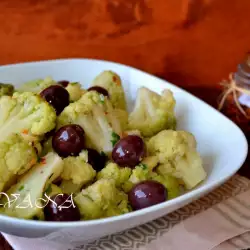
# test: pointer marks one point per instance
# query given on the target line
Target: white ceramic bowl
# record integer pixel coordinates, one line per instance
(221, 143)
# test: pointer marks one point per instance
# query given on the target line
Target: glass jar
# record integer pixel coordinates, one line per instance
(242, 76)
(230, 107)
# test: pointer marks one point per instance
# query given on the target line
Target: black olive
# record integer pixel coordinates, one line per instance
(146, 194)
(69, 140)
(96, 160)
(61, 208)
(56, 96)
(64, 83)
(129, 151)
(100, 90)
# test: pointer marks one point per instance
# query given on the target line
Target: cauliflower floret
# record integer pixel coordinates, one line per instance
(177, 154)
(150, 162)
(188, 138)
(153, 112)
(143, 172)
(36, 86)
(101, 199)
(170, 182)
(112, 171)
(131, 132)
(139, 173)
(75, 91)
(25, 113)
(125, 178)
(6, 89)
(31, 186)
(121, 116)
(34, 140)
(53, 189)
(47, 146)
(112, 83)
(94, 113)
(167, 145)
(16, 157)
(88, 208)
(68, 187)
(188, 168)
(78, 170)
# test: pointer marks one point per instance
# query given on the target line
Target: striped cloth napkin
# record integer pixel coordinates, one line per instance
(218, 221)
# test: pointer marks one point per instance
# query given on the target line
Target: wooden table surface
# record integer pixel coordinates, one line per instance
(191, 43)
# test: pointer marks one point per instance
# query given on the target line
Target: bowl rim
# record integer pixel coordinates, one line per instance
(185, 197)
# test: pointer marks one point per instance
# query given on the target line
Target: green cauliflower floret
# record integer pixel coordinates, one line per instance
(170, 182)
(110, 81)
(94, 113)
(34, 140)
(112, 171)
(75, 91)
(177, 154)
(120, 115)
(131, 132)
(25, 113)
(125, 178)
(170, 144)
(37, 85)
(188, 169)
(6, 89)
(139, 173)
(47, 146)
(78, 170)
(68, 187)
(153, 112)
(150, 162)
(143, 172)
(101, 199)
(53, 189)
(16, 157)
(30, 188)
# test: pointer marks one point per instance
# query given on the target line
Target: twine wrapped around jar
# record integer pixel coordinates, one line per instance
(229, 104)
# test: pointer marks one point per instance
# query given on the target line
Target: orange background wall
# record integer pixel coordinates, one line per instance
(148, 34)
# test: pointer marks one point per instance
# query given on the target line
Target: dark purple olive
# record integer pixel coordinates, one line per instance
(96, 160)
(146, 194)
(129, 151)
(64, 83)
(58, 181)
(99, 90)
(61, 208)
(68, 140)
(56, 96)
